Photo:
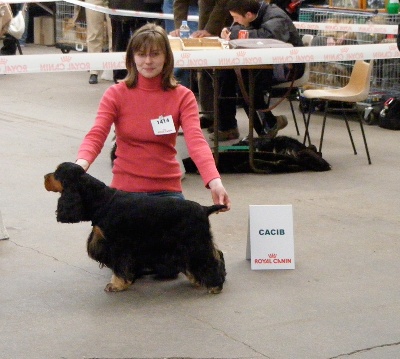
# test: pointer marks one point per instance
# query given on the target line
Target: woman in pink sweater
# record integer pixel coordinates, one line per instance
(147, 108)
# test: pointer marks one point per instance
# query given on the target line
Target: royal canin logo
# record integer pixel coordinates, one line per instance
(241, 53)
(272, 255)
(66, 58)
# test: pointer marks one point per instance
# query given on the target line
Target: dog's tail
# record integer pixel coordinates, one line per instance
(215, 208)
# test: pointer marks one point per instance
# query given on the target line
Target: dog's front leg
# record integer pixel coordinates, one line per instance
(117, 284)
(192, 279)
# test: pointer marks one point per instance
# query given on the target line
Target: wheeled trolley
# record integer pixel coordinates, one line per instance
(71, 28)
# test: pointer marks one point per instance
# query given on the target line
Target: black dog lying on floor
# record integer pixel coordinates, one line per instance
(277, 155)
(134, 231)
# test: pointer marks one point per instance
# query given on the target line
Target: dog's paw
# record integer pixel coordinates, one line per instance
(111, 288)
(192, 279)
(215, 290)
(117, 284)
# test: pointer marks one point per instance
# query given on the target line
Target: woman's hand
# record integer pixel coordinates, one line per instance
(83, 163)
(219, 194)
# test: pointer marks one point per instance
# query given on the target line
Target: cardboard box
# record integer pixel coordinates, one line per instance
(43, 30)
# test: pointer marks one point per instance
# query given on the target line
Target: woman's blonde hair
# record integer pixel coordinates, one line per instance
(148, 37)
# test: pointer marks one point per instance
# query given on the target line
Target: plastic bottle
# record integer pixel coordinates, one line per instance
(392, 7)
(184, 30)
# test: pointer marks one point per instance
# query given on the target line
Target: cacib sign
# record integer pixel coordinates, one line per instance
(270, 242)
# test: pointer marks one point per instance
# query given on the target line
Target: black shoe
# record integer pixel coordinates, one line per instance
(281, 122)
(93, 79)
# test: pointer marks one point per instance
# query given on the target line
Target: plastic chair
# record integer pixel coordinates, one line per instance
(356, 90)
(280, 89)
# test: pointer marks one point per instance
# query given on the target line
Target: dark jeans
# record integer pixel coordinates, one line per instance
(264, 79)
(177, 195)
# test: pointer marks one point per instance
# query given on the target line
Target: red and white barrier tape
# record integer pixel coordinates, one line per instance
(198, 59)
(367, 28)
(208, 58)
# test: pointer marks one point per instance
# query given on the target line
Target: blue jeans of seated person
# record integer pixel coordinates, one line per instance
(264, 79)
(183, 76)
(177, 195)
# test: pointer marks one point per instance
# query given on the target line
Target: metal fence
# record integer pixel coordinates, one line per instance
(386, 72)
(71, 31)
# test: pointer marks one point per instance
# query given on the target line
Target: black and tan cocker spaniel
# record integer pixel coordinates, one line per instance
(131, 231)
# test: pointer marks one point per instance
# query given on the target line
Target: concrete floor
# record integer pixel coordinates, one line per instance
(341, 301)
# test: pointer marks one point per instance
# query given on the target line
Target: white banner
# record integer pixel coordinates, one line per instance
(367, 28)
(198, 59)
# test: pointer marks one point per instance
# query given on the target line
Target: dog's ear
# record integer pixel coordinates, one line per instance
(70, 207)
(68, 172)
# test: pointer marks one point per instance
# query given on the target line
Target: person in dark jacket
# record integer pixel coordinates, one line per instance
(261, 20)
(172, 27)
(213, 16)
(292, 7)
(124, 26)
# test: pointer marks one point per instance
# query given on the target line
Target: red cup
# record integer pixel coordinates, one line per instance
(243, 34)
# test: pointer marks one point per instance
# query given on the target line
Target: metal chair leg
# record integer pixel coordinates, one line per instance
(294, 116)
(307, 123)
(364, 138)
(323, 126)
(348, 130)
(302, 107)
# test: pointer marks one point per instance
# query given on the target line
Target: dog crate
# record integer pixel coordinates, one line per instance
(386, 72)
(71, 27)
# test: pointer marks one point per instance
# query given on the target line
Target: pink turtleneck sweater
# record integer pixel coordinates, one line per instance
(147, 162)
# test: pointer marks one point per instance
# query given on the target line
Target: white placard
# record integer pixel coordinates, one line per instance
(270, 242)
(164, 125)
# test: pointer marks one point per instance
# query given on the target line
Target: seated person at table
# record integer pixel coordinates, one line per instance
(261, 20)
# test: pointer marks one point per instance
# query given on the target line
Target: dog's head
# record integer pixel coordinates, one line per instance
(66, 180)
